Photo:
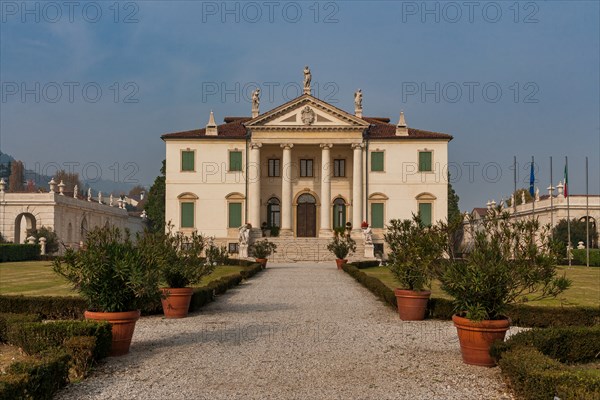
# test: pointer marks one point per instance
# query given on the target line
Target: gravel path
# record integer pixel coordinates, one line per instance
(296, 331)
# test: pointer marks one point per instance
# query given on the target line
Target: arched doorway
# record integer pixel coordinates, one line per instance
(83, 229)
(23, 222)
(339, 213)
(306, 216)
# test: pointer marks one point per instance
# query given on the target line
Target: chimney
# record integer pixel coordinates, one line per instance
(211, 127)
(401, 128)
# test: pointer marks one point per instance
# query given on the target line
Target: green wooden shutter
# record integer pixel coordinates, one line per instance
(377, 161)
(235, 160)
(187, 215)
(187, 160)
(425, 161)
(377, 215)
(235, 215)
(425, 213)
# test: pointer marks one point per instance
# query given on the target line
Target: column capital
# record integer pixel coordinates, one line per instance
(286, 145)
(357, 145)
(255, 145)
(326, 145)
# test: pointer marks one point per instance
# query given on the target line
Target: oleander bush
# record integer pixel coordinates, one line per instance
(19, 252)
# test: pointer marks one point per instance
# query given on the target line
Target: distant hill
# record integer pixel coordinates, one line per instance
(103, 185)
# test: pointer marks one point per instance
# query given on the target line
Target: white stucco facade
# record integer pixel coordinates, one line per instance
(306, 166)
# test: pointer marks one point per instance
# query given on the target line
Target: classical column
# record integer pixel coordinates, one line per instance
(286, 190)
(325, 190)
(357, 187)
(253, 176)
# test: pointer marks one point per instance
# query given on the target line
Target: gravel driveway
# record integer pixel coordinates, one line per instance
(296, 331)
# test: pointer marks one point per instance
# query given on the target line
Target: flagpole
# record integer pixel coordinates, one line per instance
(568, 211)
(551, 199)
(587, 215)
(532, 187)
(514, 196)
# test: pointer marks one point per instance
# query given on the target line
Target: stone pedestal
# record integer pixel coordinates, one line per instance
(243, 251)
(369, 251)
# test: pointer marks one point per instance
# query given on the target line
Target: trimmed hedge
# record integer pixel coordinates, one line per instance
(532, 361)
(47, 307)
(581, 258)
(37, 337)
(520, 315)
(37, 378)
(7, 320)
(365, 264)
(19, 252)
(72, 307)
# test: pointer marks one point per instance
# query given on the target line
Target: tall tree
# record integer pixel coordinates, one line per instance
(136, 190)
(455, 218)
(453, 209)
(69, 178)
(155, 206)
(518, 197)
(17, 177)
(578, 233)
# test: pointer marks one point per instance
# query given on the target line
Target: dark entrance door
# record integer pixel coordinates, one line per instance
(306, 224)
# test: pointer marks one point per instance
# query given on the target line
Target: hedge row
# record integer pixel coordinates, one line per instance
(56, 351)
(365, 264)
(19, 252)
(580, 257)
(72, 307)
(531, 361)
(521, 315)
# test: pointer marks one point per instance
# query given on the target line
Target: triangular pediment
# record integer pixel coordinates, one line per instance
(307, 111)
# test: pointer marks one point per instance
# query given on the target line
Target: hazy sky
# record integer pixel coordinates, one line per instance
(94, 85)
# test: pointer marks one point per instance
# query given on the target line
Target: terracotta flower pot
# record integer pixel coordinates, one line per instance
(477, 337)
(123, 325)
(262, 261)
(340, 262)
(177, 302)
(412, 305)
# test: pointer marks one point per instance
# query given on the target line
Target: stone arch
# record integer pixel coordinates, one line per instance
(83, 228)
(23, 222)
(307, 191)
(69, 233)
(426, 196)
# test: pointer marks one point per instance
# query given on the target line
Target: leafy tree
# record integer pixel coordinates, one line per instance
(455, 219)
(453, 210)
(155, 206)
(518, 195)
(136, 190)
(17, 177)
(561, 234)
(49, 234)
(69, 178)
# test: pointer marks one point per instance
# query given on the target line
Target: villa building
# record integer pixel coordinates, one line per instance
(305, 167)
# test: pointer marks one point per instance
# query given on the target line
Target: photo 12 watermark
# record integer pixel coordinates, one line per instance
(53, 12)
(470, 92)
(453, 12)
(236, 92)
(69, 92)
(253, 12)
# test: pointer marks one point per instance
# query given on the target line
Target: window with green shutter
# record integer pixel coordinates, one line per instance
(235, 215)
(377, 161)
(376, 215)
(187, 215)
(425, 161)
(235, 161)
(425, 213)
(187, 160)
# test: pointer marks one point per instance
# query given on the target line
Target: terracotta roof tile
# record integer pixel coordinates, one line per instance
(380, 129)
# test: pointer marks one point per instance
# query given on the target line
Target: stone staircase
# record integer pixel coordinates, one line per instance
(291, 249)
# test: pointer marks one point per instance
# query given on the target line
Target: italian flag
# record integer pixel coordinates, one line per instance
(566, 180)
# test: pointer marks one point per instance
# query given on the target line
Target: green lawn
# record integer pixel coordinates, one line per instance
(584, 291)
(36, 278)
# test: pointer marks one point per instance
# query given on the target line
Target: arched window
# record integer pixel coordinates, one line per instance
(306, 198)
(339, 213)
(273, 212)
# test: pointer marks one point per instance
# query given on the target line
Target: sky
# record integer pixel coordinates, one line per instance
(91, 86)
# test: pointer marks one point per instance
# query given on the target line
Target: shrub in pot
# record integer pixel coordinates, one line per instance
(180, 265)
(342, 245)
(261, 250)
(115, 277)
(415, 251)
(508, 262)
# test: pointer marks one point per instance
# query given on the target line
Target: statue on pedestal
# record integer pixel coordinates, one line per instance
(307, 80)
(75, 191)
(367, 235)
(89, 194)
(244, 235)
(358, 99)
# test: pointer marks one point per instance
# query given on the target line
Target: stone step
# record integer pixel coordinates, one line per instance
(291, 249)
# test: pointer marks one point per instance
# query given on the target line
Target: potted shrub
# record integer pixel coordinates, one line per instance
(261, 250)
(415, 251)
(115, 277)
(180, 265)
(508, 262)
(342, 245)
